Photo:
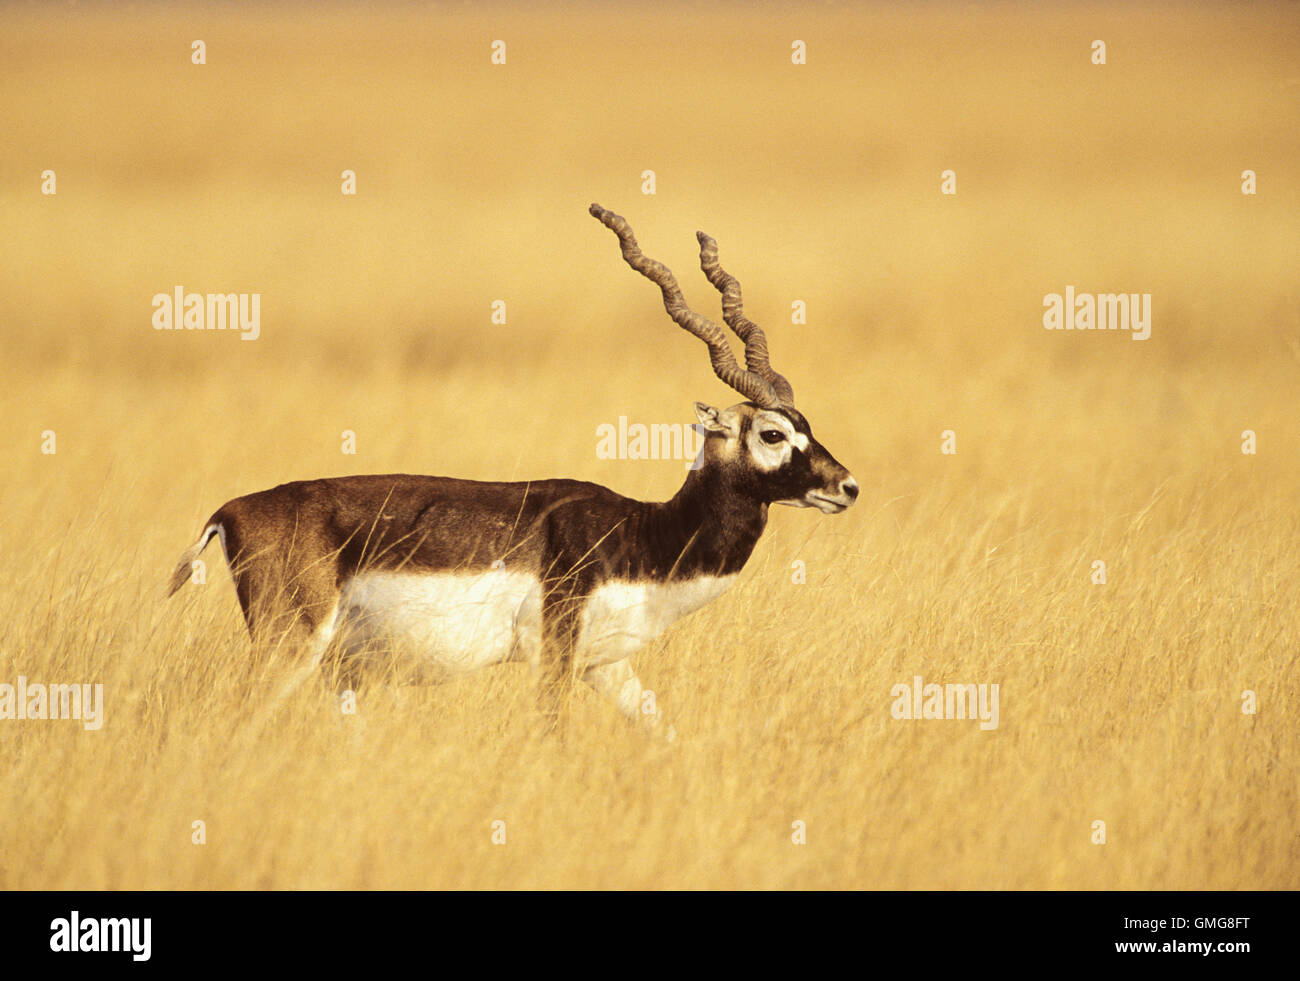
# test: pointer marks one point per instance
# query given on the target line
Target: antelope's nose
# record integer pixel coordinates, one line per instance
(849, 488)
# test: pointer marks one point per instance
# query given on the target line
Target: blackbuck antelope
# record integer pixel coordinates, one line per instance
(434, 576)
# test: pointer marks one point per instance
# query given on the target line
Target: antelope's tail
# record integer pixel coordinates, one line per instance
(184, 567)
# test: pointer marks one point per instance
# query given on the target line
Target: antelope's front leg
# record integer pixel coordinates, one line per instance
(619, 683)
(561, 607)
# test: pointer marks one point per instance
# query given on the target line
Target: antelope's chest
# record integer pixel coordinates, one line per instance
(448, 623)
(621, 617)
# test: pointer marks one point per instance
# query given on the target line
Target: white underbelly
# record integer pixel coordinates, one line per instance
(436, 625)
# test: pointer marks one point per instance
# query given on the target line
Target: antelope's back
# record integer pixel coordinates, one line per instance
(409, 522)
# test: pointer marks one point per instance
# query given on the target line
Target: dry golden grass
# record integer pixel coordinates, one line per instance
(1118, 703)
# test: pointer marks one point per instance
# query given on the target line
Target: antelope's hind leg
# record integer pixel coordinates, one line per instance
(290, 614)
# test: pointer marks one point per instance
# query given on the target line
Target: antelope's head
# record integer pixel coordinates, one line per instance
(771, 454)
(764, 445)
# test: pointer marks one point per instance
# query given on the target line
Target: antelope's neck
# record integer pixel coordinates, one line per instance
(708, 529)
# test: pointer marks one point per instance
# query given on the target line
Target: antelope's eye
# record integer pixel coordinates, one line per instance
(771, 436)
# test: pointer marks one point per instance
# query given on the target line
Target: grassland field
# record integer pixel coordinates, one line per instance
(1120, 702)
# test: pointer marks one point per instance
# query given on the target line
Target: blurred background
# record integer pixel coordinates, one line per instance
(821, 183)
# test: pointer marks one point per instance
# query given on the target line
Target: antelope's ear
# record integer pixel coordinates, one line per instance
(715, 421)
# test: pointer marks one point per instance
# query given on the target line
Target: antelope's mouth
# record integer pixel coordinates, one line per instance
(828, 504)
